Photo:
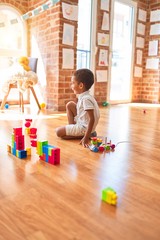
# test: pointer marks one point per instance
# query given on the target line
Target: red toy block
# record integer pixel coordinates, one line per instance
(20, 142)
(34, 143)
(17, 131)
(33, 136)
(51, 159)
(27, 124)
(28, 120)
(56, 155)
(43, 157)
(33, 130)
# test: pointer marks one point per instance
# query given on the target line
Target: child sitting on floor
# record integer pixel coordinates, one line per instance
(83, 117)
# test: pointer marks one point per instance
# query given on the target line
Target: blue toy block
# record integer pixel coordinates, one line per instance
(22, 153)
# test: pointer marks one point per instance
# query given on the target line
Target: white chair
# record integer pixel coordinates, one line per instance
(33, 66)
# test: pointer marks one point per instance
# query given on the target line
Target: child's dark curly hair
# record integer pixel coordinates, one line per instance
(85, 76)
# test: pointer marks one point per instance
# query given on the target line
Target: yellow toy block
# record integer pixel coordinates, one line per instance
(9, 148)
(28, 151)
(27, 131)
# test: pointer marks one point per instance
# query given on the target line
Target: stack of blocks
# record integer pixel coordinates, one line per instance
(48, 153)
(109, 196)
(17, 147)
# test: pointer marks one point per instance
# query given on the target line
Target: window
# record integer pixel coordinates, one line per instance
(12, 42)
(84, 33)
(13, 35)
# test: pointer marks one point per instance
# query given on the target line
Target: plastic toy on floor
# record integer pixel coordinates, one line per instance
(109, 196)
(97, 145)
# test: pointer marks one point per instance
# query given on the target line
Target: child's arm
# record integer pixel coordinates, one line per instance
(85, 140)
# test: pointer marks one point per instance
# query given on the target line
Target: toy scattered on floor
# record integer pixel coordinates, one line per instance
(144, 110)
(6, 105)
(105, 104)
(97, 145)
(109, 196)
(43, 105)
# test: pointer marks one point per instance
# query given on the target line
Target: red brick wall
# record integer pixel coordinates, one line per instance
(100, 87)
(151, 78)
(137, 81)
(47, 29)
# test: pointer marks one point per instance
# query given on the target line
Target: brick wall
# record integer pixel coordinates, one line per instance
(151, 78)
(101, 87)
(137, 81)
(47, 30)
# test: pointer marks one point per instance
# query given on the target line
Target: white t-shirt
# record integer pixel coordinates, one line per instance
(86, 102)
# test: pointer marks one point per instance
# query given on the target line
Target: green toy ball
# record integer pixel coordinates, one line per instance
(105, 104)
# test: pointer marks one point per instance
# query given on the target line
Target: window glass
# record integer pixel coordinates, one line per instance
(84, 33)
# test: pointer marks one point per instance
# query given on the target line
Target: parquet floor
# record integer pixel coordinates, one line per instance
(39, 201)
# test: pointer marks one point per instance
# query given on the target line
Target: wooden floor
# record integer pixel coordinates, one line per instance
(39, 201)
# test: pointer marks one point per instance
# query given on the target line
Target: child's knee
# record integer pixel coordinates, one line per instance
(70, 105)
(58, 132)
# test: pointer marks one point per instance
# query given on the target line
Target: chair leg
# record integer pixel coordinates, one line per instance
(4, 100)
(21, 102)
(35, 97)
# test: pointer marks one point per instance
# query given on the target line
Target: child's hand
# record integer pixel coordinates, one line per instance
(85, 142)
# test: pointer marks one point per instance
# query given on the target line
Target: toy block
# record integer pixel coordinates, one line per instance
(27, 124)
(51, 159)
(33, 136)
(40, 144)
(47, 150)
(13, 138)
(109, 196)
(20, 142)
(28, 120)
(14, 145)
(34, 143)
(27, 131)
(13, 151)
(56, 154)
(28, 150)
(17, 153)
(9, 148)
(42, 157)
(22, 153)
(33, 130)
(17, 131)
